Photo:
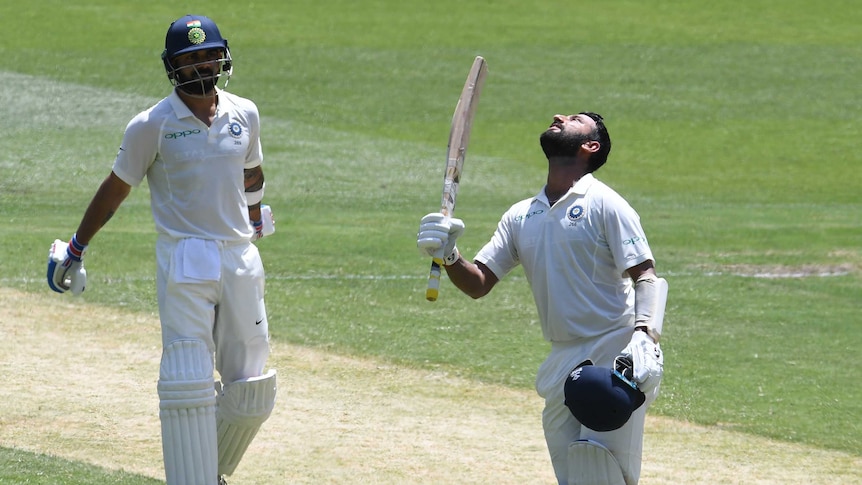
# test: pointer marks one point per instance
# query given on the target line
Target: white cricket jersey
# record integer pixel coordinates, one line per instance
(194, 172)
(575, 255)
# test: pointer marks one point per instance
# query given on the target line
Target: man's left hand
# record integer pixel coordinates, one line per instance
(66, 266)
(266, 225)
(258, 230)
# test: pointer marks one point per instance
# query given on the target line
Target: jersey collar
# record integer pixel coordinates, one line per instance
(580, 188)
(183, 111)
(583, 184)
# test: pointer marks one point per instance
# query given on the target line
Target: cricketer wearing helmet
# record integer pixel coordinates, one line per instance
(592, 274)
(199, 149)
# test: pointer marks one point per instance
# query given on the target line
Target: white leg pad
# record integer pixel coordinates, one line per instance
(590, 463)
(187, 408)
(243, 406)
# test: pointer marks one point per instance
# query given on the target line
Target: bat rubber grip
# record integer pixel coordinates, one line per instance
(433, 290)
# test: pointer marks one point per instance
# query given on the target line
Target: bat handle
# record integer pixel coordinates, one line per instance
(434, 280)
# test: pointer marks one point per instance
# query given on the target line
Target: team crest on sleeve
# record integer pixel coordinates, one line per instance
(575, 213)
(235, 129)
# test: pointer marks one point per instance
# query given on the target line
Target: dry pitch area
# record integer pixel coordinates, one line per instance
(81, 384)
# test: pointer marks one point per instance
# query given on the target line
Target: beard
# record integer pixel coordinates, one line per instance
(198, 85)
(557, 144)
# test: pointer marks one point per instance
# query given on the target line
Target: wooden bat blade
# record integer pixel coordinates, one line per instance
(459, 134)
(459, 138)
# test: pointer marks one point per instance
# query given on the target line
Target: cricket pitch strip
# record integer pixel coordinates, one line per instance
(83, 387)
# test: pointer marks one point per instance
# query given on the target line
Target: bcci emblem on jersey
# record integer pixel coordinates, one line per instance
(235, 129)
(575, 213)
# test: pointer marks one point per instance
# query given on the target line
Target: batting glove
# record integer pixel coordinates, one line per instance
(258, 230)
(266, 225)
(647, 361)
(437, 235)
(66, 266)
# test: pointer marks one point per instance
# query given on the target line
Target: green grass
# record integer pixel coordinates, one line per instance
(735, 127)
(23, 468)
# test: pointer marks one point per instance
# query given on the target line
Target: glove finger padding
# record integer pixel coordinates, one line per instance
(77, 278)
(56, 269)
(647, 361)
(430, 245)
(438, 234)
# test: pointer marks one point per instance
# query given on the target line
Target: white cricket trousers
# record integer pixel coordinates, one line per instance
(213, 291)
(561, 427)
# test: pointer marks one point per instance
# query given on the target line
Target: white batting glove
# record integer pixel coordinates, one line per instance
(66, 266)
(265, 226)
(647, 361)
(437, 235)
(258, 230)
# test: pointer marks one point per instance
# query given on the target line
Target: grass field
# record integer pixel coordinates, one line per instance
(735, 129)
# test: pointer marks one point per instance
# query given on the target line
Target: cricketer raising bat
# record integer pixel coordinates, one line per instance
(459, 137)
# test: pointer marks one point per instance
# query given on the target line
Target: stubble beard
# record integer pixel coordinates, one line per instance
(201, 85)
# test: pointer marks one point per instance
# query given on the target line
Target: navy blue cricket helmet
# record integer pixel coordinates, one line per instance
(193, 33)
(601, 399)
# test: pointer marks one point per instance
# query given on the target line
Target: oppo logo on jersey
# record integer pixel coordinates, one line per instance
(634, 240)
(529, 215)
(182, 134)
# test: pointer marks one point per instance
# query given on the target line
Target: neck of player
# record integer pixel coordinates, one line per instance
(202, 106)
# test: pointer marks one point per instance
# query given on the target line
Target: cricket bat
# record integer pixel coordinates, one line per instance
(459, 137)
